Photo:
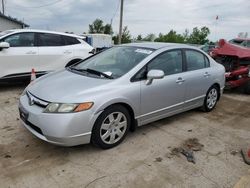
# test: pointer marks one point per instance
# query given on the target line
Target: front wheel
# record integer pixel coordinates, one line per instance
(211, 99)
(111, 127)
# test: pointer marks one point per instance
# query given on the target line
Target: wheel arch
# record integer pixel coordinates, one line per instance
(130, 110)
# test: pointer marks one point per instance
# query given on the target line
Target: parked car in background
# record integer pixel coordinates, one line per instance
(207, 48)
(98, 41)
(45, 51)
(245, 42)
(235, 56)
(114, 91)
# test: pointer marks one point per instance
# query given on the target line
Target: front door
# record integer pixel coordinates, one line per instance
(21, 57)
(163, 97)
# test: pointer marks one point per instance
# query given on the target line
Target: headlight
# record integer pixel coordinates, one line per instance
(67, 108)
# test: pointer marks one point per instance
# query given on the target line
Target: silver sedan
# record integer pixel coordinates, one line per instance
(102, 98)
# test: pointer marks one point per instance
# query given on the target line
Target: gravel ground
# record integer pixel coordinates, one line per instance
(144, 159)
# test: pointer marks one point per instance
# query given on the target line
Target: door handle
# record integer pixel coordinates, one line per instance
(180, 80)
(67, 52)
(31, 52)
(206, 74)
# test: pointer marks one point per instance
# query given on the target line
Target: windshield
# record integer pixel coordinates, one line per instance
(245, 43)
(114, 62)
(5, 33)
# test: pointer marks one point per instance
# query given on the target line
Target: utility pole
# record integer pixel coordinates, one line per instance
(121, 18)
(3, 7)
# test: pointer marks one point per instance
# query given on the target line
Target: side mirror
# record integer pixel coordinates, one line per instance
(4, 45)
(92, 52)
(154, 74)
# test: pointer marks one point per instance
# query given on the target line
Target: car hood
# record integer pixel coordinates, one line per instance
(65, 86)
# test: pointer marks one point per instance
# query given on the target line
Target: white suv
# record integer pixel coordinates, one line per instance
(45, 51)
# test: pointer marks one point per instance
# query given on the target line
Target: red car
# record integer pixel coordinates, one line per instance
(235, 56)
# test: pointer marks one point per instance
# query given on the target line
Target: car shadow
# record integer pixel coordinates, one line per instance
(12, 86)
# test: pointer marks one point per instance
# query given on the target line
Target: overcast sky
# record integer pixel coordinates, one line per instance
(141, 16)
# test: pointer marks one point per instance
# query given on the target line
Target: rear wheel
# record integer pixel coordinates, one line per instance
(211, 99)
(247, 88)
(111, 127)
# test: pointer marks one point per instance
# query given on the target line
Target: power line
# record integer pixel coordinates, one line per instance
(44, 5)
(118, 5)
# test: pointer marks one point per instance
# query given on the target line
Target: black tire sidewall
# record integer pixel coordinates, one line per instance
(247, 88)
(95, 137)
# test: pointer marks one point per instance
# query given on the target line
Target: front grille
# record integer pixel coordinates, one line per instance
(33, 100)
(39, 104)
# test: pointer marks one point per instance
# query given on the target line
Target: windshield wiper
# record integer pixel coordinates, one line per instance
(92, 71)
(99, 73)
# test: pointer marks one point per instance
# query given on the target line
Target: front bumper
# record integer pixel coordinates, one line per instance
(67, 129)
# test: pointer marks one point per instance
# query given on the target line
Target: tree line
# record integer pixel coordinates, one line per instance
(196, 36)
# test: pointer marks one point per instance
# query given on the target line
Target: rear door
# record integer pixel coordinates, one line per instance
(164, 96)
(198, 77)
(21, 57)
(53, 53)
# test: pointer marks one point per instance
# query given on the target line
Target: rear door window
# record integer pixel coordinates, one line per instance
(47, 39)
(71, 40)
(196, 60)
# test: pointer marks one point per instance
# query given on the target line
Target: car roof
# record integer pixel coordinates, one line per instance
(43, 31)
(241, 39)
(157, 45)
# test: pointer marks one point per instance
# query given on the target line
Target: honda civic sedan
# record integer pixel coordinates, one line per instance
(100, 99)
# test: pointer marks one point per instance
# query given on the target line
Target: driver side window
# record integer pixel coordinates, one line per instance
(21, 40)
(169, 62)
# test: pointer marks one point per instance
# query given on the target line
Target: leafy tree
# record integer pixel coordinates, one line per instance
(126, 36)
(96, 26)
(171, 36)
(108, 29)
(199, 36)
(150, 37)
(139, 37)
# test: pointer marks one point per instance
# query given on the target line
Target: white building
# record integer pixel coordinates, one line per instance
(7, 23)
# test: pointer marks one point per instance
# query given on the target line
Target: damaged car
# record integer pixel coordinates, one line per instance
(235, 57)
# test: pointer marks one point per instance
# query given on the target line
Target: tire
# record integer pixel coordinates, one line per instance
(211, 99)
(247, 88)
(111, 127)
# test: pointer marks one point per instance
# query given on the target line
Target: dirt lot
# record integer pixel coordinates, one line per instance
(143, 160)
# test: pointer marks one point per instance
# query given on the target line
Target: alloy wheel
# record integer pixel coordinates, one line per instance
(212, 98)
(113, 127)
